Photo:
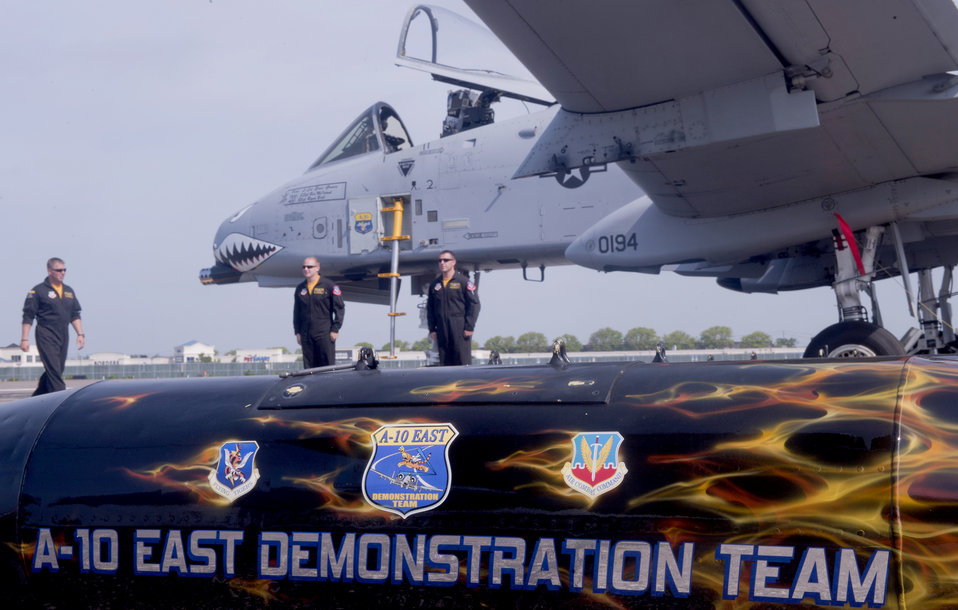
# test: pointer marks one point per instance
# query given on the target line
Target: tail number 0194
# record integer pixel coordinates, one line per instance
(617, 243)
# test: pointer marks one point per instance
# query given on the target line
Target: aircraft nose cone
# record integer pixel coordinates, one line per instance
(582, 250)
(611, 243)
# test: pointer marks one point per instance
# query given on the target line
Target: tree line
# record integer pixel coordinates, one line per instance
(610, 340)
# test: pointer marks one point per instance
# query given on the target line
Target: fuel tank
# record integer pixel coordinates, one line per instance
(717, 484)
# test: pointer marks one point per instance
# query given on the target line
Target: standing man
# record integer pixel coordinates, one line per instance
(452, 309)
(318, 310)
(55, 306)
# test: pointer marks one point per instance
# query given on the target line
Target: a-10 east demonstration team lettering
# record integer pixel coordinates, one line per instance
(318, 310)
(452, 308)
(623, 567)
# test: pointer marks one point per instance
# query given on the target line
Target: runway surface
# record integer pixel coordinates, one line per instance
(15, 390)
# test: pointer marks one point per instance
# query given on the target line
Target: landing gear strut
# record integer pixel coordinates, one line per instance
(854, 336)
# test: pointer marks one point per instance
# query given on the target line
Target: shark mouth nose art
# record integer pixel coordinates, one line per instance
(244, 253)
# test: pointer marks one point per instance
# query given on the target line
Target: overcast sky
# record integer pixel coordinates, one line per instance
(130, 130)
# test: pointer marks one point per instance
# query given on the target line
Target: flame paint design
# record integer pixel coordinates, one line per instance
(773, 480)
(263, 589)
(478, 387)
(545, 466)
(123, 402)
(190, 476)
(768, 489)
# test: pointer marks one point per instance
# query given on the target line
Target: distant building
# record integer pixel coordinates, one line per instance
(12, 354)
(267, 354)
(106, 358)
(101, 358)
(194, 351)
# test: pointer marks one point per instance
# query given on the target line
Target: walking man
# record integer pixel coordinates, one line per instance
(55, 307)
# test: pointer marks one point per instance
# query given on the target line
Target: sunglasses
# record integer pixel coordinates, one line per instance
(309, 266)
(446, 260)
(64, 270)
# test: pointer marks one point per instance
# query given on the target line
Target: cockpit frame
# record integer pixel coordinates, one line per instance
(378, 128)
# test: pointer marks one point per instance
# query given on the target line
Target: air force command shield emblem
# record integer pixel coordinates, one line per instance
(595, 467)
(409, 469)
(236, 472)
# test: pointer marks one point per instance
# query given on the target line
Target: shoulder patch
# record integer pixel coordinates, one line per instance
(470, 286)
(337, 291)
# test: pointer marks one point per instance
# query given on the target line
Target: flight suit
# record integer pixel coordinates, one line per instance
(315, 315)
(54, 315)
(451, 310)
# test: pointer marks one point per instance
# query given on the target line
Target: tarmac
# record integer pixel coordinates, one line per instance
(15, 390)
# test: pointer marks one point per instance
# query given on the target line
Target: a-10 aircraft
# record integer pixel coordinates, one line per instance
(771, 145)
(372, 192)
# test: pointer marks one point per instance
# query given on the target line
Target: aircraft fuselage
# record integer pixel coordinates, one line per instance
(455, 193)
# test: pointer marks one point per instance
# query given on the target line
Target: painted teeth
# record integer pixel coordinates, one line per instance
(244, 253)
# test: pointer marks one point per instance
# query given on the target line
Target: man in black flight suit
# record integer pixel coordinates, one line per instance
(452, 308)
(55, 307)
(318, 310)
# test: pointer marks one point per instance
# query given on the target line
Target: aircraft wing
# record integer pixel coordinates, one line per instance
(718, 107)
(620, 54)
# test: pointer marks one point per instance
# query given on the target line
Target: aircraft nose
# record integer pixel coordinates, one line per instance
(234, 245)
(226, 227)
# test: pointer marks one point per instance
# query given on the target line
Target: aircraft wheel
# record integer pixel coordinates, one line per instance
(854, 339)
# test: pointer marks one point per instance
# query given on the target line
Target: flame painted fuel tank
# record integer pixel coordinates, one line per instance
(715, 484)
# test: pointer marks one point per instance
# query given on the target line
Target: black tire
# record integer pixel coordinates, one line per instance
(853, 340)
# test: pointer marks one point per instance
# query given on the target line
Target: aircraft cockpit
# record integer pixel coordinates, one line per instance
(377, 128)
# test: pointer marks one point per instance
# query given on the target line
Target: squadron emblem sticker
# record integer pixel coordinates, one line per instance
(409, 469)
(363, 223)
(236, 473)
(595, 467)
(406, 165)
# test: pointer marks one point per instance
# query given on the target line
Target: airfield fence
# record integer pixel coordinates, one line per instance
(99, 370)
